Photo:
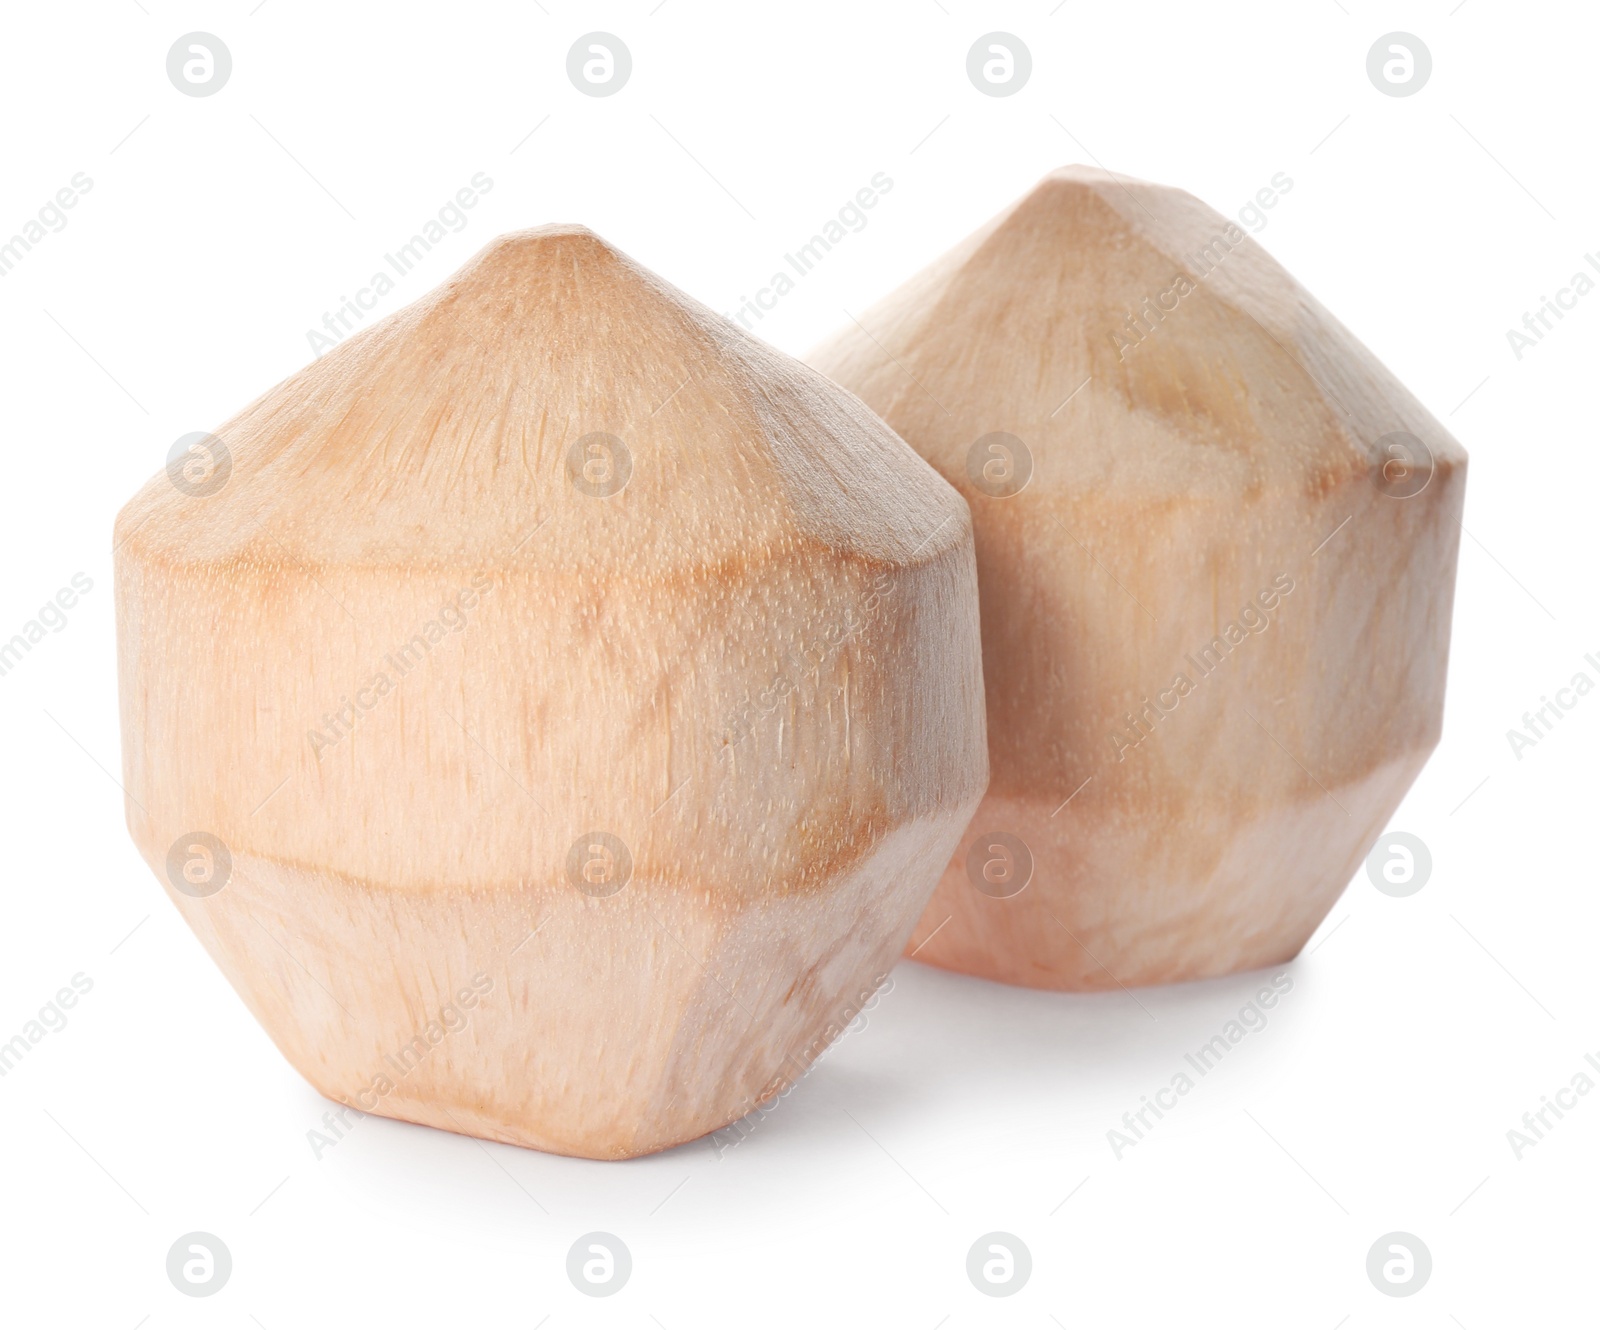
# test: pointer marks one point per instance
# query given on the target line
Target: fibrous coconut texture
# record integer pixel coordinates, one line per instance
(556, 720)
(1216, 557)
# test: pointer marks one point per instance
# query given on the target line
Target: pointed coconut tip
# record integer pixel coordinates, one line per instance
(1192, 360)
(539, 264)
(1078, 176)
(447, 431)
(532, 236)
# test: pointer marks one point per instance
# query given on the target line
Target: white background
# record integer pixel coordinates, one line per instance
(1419, 1030)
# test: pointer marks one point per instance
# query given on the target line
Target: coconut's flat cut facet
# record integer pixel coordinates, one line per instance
(552, 708)
(1216, 558)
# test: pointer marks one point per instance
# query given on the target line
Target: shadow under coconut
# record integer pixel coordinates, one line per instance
(942, 1066)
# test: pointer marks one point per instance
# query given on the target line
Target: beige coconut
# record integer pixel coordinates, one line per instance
(1216, 557)
(556, 718)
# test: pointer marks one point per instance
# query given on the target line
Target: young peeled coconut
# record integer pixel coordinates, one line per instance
(552, 708)
(1216, 556)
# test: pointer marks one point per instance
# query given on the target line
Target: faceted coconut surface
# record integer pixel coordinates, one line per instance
(585, 698)
(1215, 617)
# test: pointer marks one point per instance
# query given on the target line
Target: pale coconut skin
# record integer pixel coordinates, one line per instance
(756, 665)
(1184, 467)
